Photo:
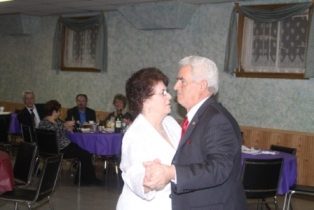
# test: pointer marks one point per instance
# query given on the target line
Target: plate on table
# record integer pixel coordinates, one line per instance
(252, 151)
(85, 130)
(5, 113)
(109, 130)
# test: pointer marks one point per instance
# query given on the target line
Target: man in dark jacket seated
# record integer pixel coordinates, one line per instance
(80, 112)
(32, 114)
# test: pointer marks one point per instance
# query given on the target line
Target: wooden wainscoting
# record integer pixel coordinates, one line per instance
(11, 106)
(252, 137)
(303, 142)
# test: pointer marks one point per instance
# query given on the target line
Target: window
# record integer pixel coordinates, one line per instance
(273, 49)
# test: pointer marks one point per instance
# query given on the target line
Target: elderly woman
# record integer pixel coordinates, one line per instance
(152, 135)
(69, 149)
(119, 101)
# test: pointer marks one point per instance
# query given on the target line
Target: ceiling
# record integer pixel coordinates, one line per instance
(58, 7)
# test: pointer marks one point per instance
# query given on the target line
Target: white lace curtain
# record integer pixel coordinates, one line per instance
(276, 47)
(86, 43)
(80, 48)
(269, 16)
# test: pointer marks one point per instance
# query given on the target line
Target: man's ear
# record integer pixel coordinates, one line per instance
(203, 85)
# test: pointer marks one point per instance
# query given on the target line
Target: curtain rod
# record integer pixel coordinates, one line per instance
(236, 4)
(82, 14)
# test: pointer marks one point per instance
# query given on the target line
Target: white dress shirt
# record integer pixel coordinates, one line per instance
(37, 118)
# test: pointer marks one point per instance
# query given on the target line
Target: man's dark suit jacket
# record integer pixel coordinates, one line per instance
(208, 162)
(25, 117)
(74, 112)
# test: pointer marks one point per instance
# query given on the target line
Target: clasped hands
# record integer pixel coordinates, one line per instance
(157, 175)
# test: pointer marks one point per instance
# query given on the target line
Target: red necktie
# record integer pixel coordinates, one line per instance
(185, 125)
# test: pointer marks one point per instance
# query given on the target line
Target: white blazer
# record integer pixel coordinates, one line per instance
(143, 143)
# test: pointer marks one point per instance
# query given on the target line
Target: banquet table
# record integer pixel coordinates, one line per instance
(6, 172)
(289, 171)
(15, 127)
(98, 143)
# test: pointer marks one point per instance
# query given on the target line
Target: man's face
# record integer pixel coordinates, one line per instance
(188, 91)
(81, 102)
(29, 100)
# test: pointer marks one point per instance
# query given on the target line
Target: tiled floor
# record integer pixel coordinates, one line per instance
(67, 196)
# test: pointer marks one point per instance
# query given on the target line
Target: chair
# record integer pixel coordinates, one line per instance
(261, 179)
(45, 187)
(5, 144)
(26, 134)
(47, 142)
(48, 145)
(111, 164)
(298, 189)
(289, 150)
(24, 164)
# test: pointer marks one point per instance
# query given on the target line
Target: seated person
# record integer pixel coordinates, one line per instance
(32, 114)
(119, 101)
(69, 149)
(80, 112)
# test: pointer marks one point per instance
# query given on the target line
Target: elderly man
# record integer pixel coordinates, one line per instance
(33, 113)
(206, 169)
(80, 112)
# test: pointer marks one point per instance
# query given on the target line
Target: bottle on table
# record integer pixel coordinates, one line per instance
(118, 122)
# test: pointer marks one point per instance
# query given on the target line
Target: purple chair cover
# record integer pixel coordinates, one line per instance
(98, 143)
(289, 171)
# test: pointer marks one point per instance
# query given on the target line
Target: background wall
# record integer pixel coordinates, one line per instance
(25, 63)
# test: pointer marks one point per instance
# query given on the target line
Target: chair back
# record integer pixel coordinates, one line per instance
(261, 177)
(289, 150)
(5, 120)
(25, 163)
(47, 142)
(49, 176)
(26, 134)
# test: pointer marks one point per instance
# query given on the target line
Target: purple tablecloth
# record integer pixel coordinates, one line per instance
(98, 143)
(15, 127)
(289, 172)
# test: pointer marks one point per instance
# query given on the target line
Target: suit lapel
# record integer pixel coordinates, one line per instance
(195, 120)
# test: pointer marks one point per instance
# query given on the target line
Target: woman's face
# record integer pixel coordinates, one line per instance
(56, 114)
(118, 104)
(159, 103)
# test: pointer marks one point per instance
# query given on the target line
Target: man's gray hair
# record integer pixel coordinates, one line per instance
(202, 69)
(27, 92)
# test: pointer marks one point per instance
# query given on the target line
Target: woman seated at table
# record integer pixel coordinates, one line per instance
(153, 134)
(69, 149)
(119, 101)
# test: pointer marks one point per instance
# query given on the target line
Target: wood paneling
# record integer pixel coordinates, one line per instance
(252, 137)
(303, 142)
